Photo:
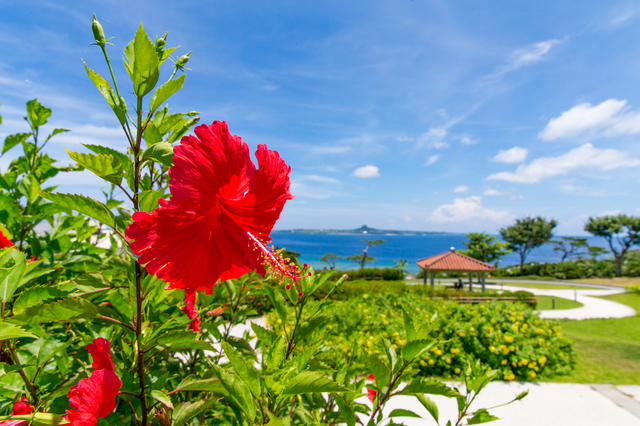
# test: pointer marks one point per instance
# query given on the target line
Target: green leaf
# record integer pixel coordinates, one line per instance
(265, 336)
(162, 398)
(55, 132)
(163, 92)
(148, 200)
(12, 266)
(13, 140)
(107, 167)
(311, 381)
(84, 205)
(431, 406)
(151, 134)
(63, 310)
(34, 296)
(208, 385)
(161, 152)
(39, 419)
(421, 385)
(37, 114)
(237, 390)
(49, 348)
(188, 410)
(278, 303)
(343, 408)
(408, 325)
(143, 63)
(399, 412)
(29, 187)
(415, 348)
(243, 369)
(481, 416)
(10, 331)
(124, 159)
(380, 370)
(180, 340)
(119, 108)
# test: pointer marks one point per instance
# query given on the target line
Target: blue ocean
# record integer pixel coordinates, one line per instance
(410, 247)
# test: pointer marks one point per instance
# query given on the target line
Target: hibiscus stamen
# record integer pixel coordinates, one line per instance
(281, 267)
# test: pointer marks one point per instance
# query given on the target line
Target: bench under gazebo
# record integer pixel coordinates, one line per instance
(452, 261)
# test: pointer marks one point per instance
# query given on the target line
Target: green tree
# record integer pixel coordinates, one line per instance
(330, 259)
(570, 246)
(363, 258)
(527, 234)
(621, 228)
(400, 264)
(484, 247)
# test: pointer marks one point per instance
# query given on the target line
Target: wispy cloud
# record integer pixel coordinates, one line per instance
(365, 172)
(460, 189)
(431, 160)
(511, 156)
(525, 56)
(468, 210)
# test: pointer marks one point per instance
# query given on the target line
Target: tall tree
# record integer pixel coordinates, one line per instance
(400, 264)
(527, 234)
(363, 258)
(622, 229)
(330, 258)
(570, 247)
(484, 247)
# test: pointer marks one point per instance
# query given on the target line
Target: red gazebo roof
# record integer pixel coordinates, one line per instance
(454, 261)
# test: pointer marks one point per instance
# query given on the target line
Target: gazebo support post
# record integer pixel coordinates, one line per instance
(470, 281)
(482, 278)
(424, 277)
(433, 280)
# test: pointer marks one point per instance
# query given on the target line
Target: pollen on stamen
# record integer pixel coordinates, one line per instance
(280, 267)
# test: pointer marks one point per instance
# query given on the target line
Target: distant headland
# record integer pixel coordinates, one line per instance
(363, 230)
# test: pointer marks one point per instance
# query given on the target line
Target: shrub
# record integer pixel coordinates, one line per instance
(507, 337)
(386, 274)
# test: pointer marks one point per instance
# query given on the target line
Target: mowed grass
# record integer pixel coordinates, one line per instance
(618, 282)
(608, 350)
(545, 303)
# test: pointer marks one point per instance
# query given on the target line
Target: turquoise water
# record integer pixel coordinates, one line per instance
(411, 247)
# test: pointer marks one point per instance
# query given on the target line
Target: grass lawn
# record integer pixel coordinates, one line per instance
(545, 303)
(618, 282)
(608, 350)
(544, 286)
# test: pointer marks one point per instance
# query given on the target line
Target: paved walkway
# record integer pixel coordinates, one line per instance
(594, 307)
(548, 404)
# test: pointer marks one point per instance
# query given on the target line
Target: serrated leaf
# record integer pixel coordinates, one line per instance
(143, 63)
(265, 336)
(49, 348)
(107, 167)
(37, 113)
(343, 408)
(481, 416)
(56, 132)
(379, 369)
(63, 310)
(243, 369)
(161, 152)
(237, 390)
(399, 412)
(415, 348)
(310, 381)
(124, 159)
(163, 92)
(105, 89)
(11, 275)
(162, 398)
(208, 385)
(188, 410)
(421, 385)
(151, 134)
(431, 406)
(13, 140)
(148, 200)
(10, 331)
(278, 303)
(84, 205)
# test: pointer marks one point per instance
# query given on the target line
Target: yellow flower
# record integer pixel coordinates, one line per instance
(383, 316)
(542, 360)
(438, 352)
(455, 351)
(508, 339)
(448, 360)
(402, 342)
(525, 361)
(492, 349)
(364, 296)
(423, 363)
(514, 327)
(539, 331)
(456, 370)
(431, 362)
(532, 374)
(504, 362)
(461, 334)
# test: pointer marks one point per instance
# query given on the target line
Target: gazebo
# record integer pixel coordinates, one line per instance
(453, 261)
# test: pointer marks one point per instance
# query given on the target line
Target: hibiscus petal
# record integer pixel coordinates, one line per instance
(100, 351)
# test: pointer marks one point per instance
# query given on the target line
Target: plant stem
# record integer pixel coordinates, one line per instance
(27, 382)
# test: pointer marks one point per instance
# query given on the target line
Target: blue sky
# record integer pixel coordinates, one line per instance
(425, 115)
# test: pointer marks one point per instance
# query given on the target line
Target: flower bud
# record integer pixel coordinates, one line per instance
(161, 42)
(98, 33)
(182, 60)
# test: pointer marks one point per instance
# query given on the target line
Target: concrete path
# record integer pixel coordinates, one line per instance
(594, 307)
(548, 404)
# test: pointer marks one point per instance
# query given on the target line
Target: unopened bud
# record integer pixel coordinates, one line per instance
(287, 287)
(193, 121)
(300, 294)
(161, 41)
(182, 60)
(98, 33)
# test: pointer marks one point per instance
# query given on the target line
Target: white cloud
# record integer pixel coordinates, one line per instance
(608, 119)
(468, 141)
(461, 189)
(368, 171)
(468, 210)
(610, 213)
(492, 192)
(331, 149)
(583, 157)
(317, 178)
(432, 159)
(434, 138)
(407, 219)
(511, 156)
(522, 57)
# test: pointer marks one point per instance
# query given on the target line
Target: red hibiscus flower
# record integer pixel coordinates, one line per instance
(190, 310)
(20, 408)
(370, 392)
(220, 214)
(4, 241)
(95, 396)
